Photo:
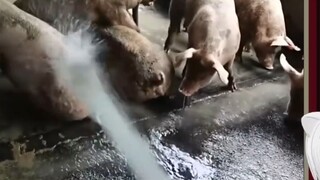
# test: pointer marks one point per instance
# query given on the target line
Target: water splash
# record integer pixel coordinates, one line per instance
(79, 70)
(60, 14)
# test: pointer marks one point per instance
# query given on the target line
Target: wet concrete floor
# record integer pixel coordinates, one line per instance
(222, 135)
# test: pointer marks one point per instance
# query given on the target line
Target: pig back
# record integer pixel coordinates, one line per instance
(265, 17)
(132, 62)
(218, 23)
(193, 6)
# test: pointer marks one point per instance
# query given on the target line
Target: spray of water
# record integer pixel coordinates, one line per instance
(82, 74)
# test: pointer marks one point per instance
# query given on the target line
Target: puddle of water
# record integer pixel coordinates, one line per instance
(179, 164)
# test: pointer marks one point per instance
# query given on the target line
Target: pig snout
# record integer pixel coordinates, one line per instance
(157, 84)
(147, 2)
(268, 65)
(188, 88)
(158, 78)
(266, 57)
(266, 62)
(147, 88)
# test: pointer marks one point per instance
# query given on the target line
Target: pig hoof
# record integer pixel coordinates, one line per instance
(186, 102)
(270, 68)
(239, 58)
(246, 49)
(232, 87)
(166, 50)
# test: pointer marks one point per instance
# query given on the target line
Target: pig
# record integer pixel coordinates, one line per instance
(102, 13)
(295, 104)
(27, 48)
(214, 38)
(262, 24)
(137, 69)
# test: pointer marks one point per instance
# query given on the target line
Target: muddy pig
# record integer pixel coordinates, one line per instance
(295, 105)
(138, 69)
(214, 39)
(262, 24)
(102, 13)
(27, 48)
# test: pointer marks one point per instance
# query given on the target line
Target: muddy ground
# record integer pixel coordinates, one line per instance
(222, 135)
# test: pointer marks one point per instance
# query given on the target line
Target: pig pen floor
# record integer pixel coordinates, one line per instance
(222, 135)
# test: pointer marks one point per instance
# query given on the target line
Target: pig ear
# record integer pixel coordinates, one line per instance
(223, 74)
(292, 46)
(180, 57)
(293, 73)
(279, 41)
(188, 53)
(285, 41)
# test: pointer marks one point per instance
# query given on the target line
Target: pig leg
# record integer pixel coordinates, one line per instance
(185, 26)
(247, 48)
(240, 50)
(176, 15)
(172, 32)
(231, 84)
(186, 99)
(135, 15)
